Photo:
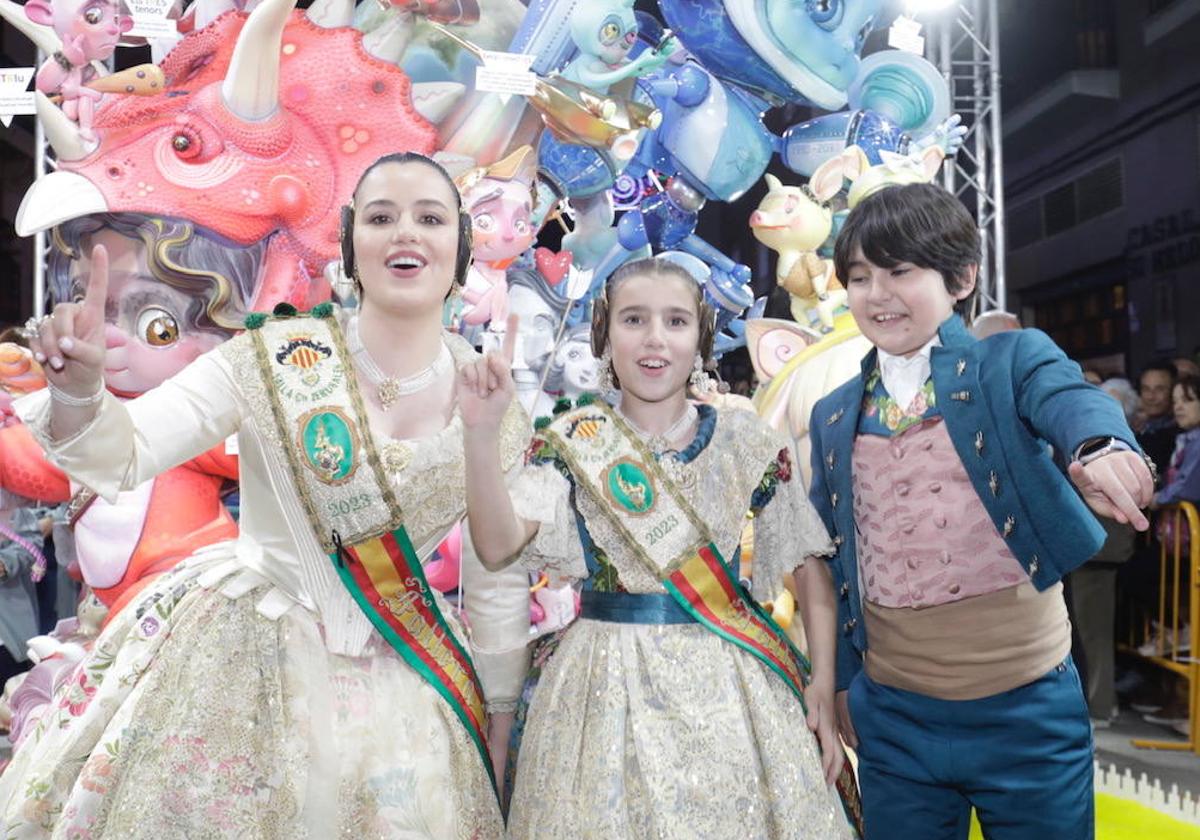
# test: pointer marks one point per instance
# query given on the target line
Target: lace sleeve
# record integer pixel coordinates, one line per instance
(787, 529)
(542, 494)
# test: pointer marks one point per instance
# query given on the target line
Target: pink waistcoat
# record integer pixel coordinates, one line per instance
(924, 537)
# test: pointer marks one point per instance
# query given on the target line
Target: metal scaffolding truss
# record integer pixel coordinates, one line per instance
(964, 42)
(43, 163)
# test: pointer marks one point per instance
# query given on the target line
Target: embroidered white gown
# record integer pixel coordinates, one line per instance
(640, 731)
(244, 694)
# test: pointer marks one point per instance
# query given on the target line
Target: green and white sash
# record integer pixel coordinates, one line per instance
(353, 510)
(318, 410)
(612, 465)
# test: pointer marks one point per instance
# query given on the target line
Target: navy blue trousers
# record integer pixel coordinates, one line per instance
(1022, 759)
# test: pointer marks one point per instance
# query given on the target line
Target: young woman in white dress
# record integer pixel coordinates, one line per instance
(254, 691)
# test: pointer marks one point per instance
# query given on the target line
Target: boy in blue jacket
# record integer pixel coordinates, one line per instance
(954, 526)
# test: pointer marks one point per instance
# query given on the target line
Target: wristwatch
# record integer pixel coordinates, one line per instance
(1095, 448)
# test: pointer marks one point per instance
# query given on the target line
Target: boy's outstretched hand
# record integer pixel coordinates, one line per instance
(1117, 486)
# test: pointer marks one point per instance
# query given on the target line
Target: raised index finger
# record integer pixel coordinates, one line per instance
(97, 286)
(509, 347)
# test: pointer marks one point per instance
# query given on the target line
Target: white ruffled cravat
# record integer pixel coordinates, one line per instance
(903, 376)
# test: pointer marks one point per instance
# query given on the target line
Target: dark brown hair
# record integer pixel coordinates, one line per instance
(1162, 365)
(14, 335)
(920, 224)
(655, 267)
(462, 262)
(1190, 385)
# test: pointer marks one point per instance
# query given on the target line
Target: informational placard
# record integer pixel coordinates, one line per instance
(150, 18)
(506, 73)
(15, 95)
(905, 34)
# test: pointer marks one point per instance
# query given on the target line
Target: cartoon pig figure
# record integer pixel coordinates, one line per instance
(794, 222)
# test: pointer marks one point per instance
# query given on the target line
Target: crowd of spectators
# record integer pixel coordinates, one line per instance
(1116, 595)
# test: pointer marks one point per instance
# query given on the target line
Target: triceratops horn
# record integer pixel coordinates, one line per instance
(43, 37)
(434, 100)
(204, 12)
(251, 86)
(330, 14)
(62, 134)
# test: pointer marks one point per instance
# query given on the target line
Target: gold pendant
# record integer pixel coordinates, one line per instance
(395, 456)
(388, 393)
(681, 475)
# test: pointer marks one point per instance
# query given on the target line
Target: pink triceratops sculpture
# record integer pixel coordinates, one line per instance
(261, 131)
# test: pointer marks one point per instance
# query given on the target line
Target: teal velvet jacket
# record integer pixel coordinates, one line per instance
(1002, 399)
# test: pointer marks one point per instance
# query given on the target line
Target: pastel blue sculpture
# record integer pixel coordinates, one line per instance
(742, 58)
(605, 33)
(779, 50)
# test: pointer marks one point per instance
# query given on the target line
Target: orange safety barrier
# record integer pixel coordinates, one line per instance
(1178, 613)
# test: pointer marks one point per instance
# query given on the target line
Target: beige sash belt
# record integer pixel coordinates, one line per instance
(971, 648)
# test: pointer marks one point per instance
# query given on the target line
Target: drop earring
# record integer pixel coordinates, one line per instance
(607, 381)
(698, 379)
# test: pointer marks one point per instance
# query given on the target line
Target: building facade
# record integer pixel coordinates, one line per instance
(1101, 106)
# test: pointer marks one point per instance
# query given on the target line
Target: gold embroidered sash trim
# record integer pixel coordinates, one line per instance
(319, 411)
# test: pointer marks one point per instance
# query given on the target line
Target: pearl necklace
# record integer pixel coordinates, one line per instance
(390, 388)
(658, 444)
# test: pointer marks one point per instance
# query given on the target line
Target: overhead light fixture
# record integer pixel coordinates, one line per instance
(916, 7)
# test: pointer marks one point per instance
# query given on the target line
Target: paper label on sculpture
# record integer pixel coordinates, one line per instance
(15, 96)
(506, 73)
(150, 18)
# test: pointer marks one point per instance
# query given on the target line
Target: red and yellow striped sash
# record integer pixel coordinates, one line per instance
(704, 587)
(385, 578)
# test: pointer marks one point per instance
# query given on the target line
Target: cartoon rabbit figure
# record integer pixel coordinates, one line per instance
(919, 167)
